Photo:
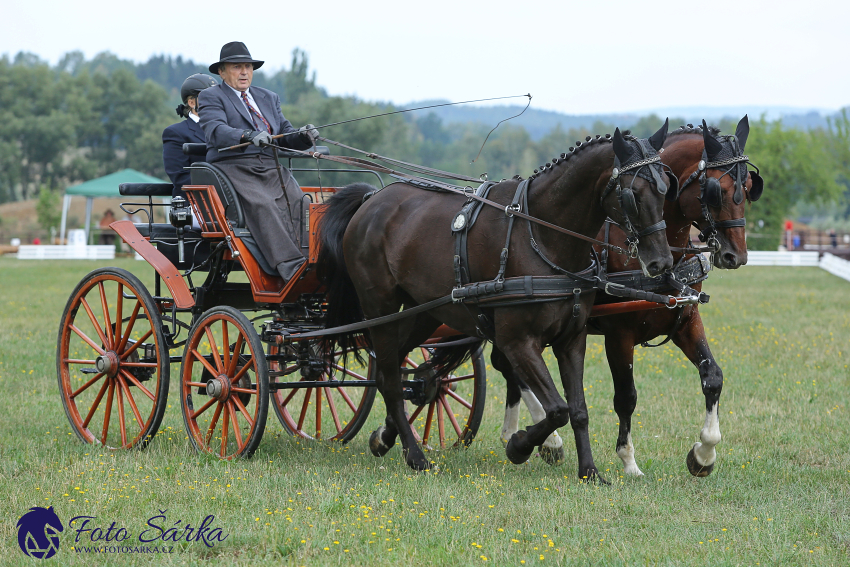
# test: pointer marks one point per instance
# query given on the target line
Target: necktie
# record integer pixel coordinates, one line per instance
(254, 115)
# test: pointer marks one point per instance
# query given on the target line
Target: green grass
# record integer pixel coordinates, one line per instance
(780, 493)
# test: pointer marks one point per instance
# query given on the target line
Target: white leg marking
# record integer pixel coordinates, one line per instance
(627, 455)
(710, 437)
(535, 408)
(511, 424)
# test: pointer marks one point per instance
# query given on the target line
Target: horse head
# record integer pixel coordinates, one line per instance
(634, 198)
(719, 200)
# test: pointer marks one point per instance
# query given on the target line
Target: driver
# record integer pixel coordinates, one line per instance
(233, 113)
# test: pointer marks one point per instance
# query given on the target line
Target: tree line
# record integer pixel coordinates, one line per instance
(80, 119)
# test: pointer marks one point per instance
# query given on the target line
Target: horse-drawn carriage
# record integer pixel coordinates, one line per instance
(117, 338)
(114, 358)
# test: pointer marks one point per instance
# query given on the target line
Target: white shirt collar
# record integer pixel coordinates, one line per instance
(239, 93)
(194, 117)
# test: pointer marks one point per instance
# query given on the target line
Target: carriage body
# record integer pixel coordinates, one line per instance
(118, 341)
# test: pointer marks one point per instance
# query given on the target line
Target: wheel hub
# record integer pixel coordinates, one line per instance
(107, 363)
(219, 387)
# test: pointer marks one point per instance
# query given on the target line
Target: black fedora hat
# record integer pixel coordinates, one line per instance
(235, 52)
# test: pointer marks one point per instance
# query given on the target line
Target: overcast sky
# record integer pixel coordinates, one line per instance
(575, 57)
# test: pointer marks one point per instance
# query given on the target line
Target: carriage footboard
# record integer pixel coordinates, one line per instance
(176, 285)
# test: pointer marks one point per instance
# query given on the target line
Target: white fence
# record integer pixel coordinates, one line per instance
(836, 266)
(782, 258)
(98, 252)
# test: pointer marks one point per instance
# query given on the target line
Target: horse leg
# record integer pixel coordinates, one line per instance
(570, 354)
(552, 450)
(691, 339)
(620, 351)
(526, 359)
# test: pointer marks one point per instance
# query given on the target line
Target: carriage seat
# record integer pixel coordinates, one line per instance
(164, 235)
(145, 189)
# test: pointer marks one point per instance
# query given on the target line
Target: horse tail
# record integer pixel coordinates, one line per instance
(447, 359)
(343, 305)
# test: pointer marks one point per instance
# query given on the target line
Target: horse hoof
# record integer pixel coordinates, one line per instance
(552, 456)
(376, 443)
(695, 468)
(514, 454)
(593, 477)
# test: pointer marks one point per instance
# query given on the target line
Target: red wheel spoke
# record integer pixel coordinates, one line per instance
(345, 397)
(203, 361)
(203, 408)
(242, 372)
(289, 397)
(140, 364)
(244, 391)
(90, 342)
(130, 324)
(108, 413)
(96, 404)
(77, 361)
(109, 333)
(224, 424)
(237, 348)
(441, 424)
(410, 362)
(196, 384)
(332, 407)
(121, 425)
(349, 372)
(132, 402)
(213, 422)
(226, 342)
(119, 310)
(214, 349)
(451, 415)
(458, 378)
(304, 408)
(94, 323)
(427, 431)
(318, 413)
(411, 419)
(136, 345)
(139, 385)
(85, 386)
(244, 411)
(234, 421)
(460, 400)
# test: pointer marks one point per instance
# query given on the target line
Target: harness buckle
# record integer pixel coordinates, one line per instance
(456, 299)
(514, 207)
(633, 247)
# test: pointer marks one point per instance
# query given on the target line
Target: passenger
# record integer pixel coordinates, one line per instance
(234, 113)
(185, 132)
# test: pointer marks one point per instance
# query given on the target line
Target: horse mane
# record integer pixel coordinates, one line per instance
(691, 129)
(572, 151)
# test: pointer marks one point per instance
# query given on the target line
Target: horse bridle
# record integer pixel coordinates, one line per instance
(711, 193)
(626, 197)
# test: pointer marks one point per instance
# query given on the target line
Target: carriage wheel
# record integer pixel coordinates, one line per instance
(334, 414)
(112, 361)
(224, 385)
(453, 417)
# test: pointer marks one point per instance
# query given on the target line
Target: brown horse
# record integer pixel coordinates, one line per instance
(396, 251)
(716, 203)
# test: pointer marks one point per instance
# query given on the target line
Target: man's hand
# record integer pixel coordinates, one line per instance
(257, 138)
(311, 132)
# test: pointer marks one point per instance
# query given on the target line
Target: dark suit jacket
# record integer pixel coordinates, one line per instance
(173, 138)
(224, 119)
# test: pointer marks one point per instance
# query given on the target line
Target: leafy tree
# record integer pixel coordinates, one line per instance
(48, 208)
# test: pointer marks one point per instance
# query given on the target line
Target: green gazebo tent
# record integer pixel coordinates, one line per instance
(106, 186)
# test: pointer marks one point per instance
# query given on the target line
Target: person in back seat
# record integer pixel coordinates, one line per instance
(234, 113)
(185, 132)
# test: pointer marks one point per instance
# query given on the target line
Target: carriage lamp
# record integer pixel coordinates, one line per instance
(180, 217)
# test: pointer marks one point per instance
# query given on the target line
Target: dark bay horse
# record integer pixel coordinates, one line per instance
(716, 203)
(396, 251)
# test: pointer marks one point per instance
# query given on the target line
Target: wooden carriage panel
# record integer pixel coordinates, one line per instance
(316, 212)
(172, 278)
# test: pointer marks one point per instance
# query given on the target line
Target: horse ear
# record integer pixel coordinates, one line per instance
(657, 139)
(620, 149)
(712, 146)
(742, 131)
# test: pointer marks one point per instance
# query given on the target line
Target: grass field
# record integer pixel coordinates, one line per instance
(779, 495)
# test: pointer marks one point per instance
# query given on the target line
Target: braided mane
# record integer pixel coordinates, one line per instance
(564, 157)
(691, 129)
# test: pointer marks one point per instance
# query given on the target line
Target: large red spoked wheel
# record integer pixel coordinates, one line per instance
(334, 414)
(112, 361)
(224, 384)
(454, 415)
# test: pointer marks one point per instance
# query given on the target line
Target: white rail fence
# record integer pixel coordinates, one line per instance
(832, 264)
